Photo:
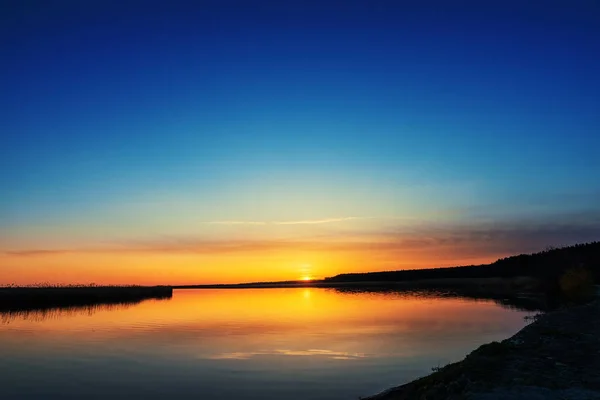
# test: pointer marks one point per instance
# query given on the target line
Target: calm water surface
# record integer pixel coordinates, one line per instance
(249, 343)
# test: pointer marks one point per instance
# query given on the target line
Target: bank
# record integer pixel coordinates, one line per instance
(555, 357)
(39, 298)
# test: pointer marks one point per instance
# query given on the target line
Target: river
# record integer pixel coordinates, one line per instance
(300, 343)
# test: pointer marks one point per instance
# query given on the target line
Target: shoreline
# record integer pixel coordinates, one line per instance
(501, 283)
(555, 357)
(40, 298)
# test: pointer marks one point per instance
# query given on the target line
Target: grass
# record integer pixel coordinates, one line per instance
(577, 285)
(49, 296)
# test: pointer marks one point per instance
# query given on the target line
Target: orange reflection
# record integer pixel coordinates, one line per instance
(268, 311)
(292, 325)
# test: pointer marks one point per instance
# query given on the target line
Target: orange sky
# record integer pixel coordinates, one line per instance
(170, 250)
(223, 149)
(230, 262)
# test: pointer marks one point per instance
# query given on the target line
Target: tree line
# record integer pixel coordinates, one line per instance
(546, 265)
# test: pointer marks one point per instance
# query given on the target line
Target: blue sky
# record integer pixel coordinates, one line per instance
(152, 118)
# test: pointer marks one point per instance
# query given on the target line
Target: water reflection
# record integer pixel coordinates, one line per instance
(257, 343)
(42, 314)
(517, 301)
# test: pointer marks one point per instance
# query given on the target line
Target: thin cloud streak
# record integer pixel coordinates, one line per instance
(317, 221)
(299, 222)
(33, 253)
(337, 355)
(444, 214)
(237, 223)
(473, 240)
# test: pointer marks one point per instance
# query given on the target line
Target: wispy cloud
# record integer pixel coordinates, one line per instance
(298, 222)
(432, 241)
(316, 221)
(337, 355)
(237, 223)
(25, 253)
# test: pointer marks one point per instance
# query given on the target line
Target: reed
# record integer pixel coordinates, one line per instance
(47, 296)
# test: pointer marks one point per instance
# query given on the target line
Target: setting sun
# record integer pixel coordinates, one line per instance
(299, 199)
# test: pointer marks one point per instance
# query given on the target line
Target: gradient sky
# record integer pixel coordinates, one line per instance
(228, 141)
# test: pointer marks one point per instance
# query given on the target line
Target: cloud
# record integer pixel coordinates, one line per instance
(432, 241)
(337, 355)
(316, 221)
(421, 217)
(37, 252)
(237, 223)
(299, 222)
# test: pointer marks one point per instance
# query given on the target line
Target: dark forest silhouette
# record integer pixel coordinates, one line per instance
(547, 265)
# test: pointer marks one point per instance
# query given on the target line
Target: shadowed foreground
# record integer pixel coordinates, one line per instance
(23, 299)
(556, 357)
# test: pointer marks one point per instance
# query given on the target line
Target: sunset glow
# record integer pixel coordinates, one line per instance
(291, 141)
(315, 199)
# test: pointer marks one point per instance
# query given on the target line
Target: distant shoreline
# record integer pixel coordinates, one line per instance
(513, 293)
(537, 272)
(519, 292)
(488, 283)
(545, 268)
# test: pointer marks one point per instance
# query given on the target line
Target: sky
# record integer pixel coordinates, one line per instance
(230, 141)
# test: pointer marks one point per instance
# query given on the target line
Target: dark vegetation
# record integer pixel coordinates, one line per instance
(562, 273)
(577, 284)
(43, 298)
(551, 263)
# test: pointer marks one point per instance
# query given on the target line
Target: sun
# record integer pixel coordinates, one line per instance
(306, 278)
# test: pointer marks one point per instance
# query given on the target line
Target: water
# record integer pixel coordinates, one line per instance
(248, 343)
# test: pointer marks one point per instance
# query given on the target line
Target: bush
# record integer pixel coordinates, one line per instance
(577, 284)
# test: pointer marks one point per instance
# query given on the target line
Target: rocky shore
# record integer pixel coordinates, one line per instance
(555, 357)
